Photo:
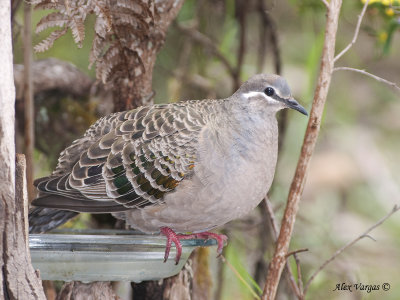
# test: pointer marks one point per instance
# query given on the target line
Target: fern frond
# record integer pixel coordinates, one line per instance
(49, 41)
(98, 46)
(132, 5)
(78, 30)
(139, 8)
(131, 19)
(101, 27)
(37, 2)
(51, 20)
(103, 12)
(128, 33)
(121, 28)
(110, 59)
(50, 5)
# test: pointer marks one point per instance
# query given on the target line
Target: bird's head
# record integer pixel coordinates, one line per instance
(269, 91)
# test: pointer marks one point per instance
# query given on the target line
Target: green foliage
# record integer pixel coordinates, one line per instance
(245, 282)
(313, 62)
(387, 13)
(229, 39)
(307, 5)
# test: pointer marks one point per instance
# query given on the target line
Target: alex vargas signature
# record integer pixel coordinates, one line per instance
(361, 287)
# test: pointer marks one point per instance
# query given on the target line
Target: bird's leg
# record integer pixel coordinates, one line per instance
(220, 238)
(173, 237)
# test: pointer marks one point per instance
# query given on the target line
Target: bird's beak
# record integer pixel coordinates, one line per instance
(292, 103)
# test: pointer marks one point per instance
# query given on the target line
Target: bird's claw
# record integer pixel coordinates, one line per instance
(175, 238)
(172, 237)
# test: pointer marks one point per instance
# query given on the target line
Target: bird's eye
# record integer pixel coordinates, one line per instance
(269, 91)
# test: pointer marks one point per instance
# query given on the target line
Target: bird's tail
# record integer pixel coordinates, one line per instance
(42, 219)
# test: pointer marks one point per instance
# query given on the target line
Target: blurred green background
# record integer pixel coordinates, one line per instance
(354, 178)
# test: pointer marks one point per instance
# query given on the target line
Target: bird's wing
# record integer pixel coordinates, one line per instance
(70, 155)
(143, 155)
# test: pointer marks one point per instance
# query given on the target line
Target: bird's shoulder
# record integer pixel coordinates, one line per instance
(144, 123)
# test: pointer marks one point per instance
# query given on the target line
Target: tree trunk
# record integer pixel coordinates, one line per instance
(76, 290)
(130, 92)
(29, 128)
(18, 278)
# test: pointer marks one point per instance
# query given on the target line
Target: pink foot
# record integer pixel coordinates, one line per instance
(172, 237)
(175, 238)
(220, 238)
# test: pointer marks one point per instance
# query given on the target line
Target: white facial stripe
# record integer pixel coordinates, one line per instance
(254, 94)
(259, 94)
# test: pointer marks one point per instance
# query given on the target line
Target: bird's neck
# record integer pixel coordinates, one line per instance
(245, 130)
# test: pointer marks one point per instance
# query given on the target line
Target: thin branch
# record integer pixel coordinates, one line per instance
(349, 244)
(268, 24)
(368, 236)
(278, 261)
(325, 3)
(209, 44)
(296, 251)
(29, 108)
(356, 32)
(274, 226)
(264, 240)
(299, 277)
(241, 15)
(380, 79)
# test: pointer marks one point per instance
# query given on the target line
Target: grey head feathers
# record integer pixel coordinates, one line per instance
(271, 91)
(259, 82)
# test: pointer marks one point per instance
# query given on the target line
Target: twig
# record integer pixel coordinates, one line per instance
(356, 32)
(241, 15)
(268, 24)
(279, 259)
(29, 106)
(209, 44)
(264, 240)
(296, 251)
(368, 236)
(219, 284)
(240, 277)
(299, 277)
(349, 244)
(380, 79)
(325, 3)
(274, 226)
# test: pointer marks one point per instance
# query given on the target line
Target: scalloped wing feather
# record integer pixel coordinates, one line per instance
(133, 158)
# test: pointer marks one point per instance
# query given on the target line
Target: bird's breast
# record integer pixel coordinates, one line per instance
(234, 172)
